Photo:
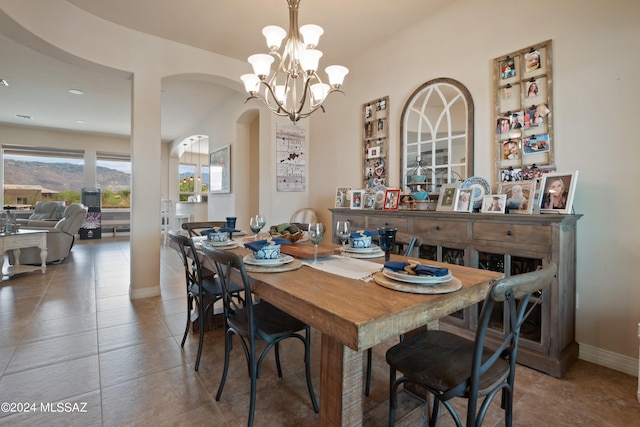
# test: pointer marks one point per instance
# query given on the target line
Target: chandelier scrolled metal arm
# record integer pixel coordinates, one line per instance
(294, 89)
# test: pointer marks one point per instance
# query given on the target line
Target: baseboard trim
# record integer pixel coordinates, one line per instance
(139, 293)
(609, 359)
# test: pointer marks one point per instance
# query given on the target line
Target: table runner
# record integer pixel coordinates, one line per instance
(351, 268)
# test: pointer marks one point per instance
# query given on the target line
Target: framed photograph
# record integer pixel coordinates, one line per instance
(220, 170)
(494, 203)
(557, 192)
(391, 200)
(380, 127)
(357, 199)
(447, 198)
(342, 197)
(520, 196)
(369, 201)
(463, 200)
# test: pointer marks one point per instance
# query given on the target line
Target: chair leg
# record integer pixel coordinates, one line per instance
(201, 333)
(277, 353)
(225, 370)
(367, 384)
(393, 397)
(186, 329)
(252, 401)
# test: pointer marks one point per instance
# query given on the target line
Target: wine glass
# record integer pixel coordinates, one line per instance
(256, 223)
(316, 233)
(342, 231)
(387, 240)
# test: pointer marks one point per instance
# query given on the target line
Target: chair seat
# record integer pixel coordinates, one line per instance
(441, 361)
(271, 322)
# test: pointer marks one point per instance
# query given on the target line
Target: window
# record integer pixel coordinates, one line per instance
(114, 179)
(204, 175)
(187, 176)
(32, 174)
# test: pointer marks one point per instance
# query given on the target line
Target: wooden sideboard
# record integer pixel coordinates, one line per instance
(511, 244)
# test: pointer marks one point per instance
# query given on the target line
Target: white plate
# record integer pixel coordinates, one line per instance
(376, 254)
(220, 244)
(283, 259)
(418, 279)
(370, 249)
(481, 188)
(217, 245)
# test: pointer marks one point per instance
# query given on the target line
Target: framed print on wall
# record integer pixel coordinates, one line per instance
(557, 192)
(220, 170)
(391, 200)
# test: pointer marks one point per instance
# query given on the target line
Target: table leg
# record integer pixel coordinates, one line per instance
(43, 259)
(341, 385)
(16, 256)
(1, 265)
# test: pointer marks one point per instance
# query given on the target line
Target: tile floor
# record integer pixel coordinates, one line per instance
(72, 337)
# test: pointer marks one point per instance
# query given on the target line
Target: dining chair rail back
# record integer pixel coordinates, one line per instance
(254, 321)
(194, 228)
(449, 366)
(203, 288)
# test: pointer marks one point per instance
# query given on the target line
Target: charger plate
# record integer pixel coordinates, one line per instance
(440, 288)
(293, 265)
(376, 254)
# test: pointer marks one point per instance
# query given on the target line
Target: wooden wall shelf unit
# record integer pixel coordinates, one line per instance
(511, 244)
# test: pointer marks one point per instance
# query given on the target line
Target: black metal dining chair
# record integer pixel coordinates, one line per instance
(448, 366)
(252, 322)
(195, 227)
(203, 287)
(410, 244)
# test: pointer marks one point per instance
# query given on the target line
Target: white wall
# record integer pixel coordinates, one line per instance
(595, 96)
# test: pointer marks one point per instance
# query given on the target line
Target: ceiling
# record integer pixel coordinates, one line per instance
(38, 83)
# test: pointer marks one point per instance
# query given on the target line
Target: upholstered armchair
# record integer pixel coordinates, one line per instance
(45, 214)
(60, 236)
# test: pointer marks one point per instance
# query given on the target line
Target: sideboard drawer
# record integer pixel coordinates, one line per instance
(512, 233)
(438, 229)
(375, 222)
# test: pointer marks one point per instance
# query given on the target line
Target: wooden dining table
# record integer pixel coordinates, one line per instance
(354, 315)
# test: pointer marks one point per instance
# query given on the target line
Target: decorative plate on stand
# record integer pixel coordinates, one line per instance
(481, 188)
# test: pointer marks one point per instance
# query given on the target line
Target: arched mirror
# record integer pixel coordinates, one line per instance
(437, 135)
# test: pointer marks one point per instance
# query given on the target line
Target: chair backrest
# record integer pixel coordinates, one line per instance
(237, 313)
(515, 292)
(44, 210)
(196, 227)
(406, 244)
(189, 256)
(304, 216)
(73, 217)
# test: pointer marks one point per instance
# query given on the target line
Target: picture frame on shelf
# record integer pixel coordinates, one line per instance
(557, 191)
(463, 200)
(343, 197)
(447, 197)
(391, 200)
(369, 201)
(357, 199)
(520, 196)
(220, 170)
(494, 203)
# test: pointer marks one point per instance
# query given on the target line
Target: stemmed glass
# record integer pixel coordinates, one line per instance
(316, 233)
(387, 240)
(342, 231)
(256, 223)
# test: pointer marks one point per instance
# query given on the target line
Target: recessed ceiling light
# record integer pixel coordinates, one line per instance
(3, 82)
(81, 121)
(76, 91)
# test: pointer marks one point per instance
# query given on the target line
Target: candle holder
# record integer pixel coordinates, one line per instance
(387, 240)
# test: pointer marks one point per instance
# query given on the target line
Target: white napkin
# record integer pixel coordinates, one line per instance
(351, 268)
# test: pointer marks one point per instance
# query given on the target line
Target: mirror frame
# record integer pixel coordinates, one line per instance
(470, 122)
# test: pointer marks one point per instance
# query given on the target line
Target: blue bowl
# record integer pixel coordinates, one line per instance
(420, 195)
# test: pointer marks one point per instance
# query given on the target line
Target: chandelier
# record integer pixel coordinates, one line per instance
(294, 89)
